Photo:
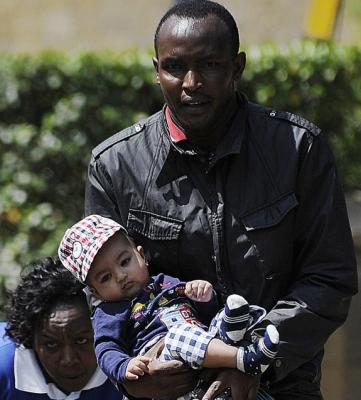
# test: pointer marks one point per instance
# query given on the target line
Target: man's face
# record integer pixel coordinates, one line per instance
(196, 71)
(63, 342)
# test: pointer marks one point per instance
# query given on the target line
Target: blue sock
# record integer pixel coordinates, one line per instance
(255, 358)
(235, 320)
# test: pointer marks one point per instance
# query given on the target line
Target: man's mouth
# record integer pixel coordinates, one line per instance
(195, 101)
(195, 105)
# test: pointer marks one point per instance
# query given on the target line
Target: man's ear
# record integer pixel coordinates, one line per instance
(239, 65)
(156, 68)
(140, 251)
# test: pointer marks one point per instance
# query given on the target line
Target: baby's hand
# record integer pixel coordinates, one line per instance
(137, 367)
(199, 290)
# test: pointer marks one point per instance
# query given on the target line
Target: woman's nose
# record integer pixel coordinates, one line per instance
(68, 356)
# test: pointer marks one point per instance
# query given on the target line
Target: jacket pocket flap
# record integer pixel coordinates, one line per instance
(153, 226)
(271, 214)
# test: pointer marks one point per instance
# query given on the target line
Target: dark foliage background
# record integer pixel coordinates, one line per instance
(55, 108)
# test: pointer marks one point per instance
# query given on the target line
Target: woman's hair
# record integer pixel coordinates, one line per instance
(42, 284)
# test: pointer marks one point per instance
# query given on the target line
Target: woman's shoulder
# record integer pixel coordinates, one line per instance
(106, 391)
(7, 352)
(7, 345)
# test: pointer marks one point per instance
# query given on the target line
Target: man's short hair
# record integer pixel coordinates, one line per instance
(199, 9)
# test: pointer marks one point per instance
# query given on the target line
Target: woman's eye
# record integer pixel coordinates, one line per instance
(51, 345)
(82, 341)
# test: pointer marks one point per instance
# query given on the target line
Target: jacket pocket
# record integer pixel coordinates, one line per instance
(271, 214)
(153, 226)
(159, 235)
(269, 246)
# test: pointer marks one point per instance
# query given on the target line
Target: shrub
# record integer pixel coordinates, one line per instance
(55, 108)
(320, 81)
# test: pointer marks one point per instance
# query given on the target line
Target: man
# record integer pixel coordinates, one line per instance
(246, 197)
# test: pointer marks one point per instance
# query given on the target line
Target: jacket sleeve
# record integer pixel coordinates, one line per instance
(99, 192)
(110, 327)
(324, 266)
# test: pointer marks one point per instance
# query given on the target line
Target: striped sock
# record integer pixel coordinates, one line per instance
(235, 319)
(255, 358)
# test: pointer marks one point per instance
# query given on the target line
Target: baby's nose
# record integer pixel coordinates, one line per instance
(121, 275)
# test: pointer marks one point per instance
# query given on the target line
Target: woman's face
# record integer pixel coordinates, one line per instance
(63, 342)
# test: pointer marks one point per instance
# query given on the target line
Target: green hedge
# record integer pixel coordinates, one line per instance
(54, 108)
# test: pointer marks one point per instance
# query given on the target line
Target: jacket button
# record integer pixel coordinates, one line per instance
(138, 127)
(278, 363)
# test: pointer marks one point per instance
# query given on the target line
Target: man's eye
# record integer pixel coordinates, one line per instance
(209, 65)
(174, 68)
(105, 278)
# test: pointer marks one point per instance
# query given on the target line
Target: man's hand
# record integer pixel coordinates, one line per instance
(199, 290)
(165, 380)
(243, 386)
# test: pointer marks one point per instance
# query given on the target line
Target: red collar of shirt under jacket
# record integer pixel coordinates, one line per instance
(175, 132)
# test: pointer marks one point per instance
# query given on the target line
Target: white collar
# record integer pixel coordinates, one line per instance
(30, 378)
(91, 299)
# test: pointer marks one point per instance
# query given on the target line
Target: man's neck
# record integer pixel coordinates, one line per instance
(205, 140)
(210, 139)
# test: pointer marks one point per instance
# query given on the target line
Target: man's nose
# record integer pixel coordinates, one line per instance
(192, 80)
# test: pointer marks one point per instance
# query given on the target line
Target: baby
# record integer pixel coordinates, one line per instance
(134, 310)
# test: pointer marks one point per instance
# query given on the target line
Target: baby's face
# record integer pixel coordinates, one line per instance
(118, 270)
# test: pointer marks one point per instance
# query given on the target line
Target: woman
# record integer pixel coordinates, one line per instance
(46, 347)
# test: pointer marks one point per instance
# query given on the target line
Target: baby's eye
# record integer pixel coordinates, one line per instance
(125, 262)
(105, 278)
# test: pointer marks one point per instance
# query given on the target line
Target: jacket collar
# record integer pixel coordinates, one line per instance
(231, 143)
(175, 132)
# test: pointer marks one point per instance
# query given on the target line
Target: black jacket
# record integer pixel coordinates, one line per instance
(264, 217)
